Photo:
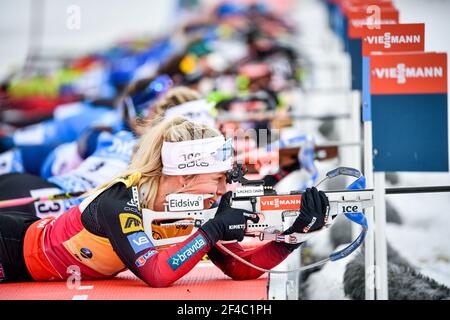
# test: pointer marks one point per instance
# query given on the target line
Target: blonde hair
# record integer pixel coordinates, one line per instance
(147, 157)
(173, 98)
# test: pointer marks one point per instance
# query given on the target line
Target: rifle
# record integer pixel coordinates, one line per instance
(276, 212)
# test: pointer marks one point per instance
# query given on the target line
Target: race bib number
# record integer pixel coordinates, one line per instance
(47, 208)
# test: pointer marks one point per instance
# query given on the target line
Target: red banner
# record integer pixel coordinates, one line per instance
(361, 18)
(394, 38)
(348, 6)
(408, 73)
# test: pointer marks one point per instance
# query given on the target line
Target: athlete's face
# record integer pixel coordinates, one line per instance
(208, 183)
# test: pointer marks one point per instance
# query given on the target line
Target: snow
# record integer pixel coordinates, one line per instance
(327, 284)
(427, 250)
(424, 239)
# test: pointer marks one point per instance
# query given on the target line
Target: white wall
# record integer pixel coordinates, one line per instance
(435, 14)
(102, 22)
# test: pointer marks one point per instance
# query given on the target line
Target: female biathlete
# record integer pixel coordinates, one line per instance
(104, 235)
(111, 156)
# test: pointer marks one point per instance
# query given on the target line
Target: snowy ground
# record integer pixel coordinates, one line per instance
(424, 239)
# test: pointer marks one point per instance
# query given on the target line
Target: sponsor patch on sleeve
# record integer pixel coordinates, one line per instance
(187, 252)
(130, 222)
(139, 241)
(143, 259)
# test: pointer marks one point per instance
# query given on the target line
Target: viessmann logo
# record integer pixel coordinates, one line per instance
(281, 202)
(183, 255)
(387, 40)
(402, 72)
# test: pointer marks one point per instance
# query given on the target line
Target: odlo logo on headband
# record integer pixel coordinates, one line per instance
(188, 163)
(187, 252)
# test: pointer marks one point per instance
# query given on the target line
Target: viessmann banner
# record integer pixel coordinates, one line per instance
(416, 73)
(394, 38)
(359, 10)
(408, 108)
(385, 39)
(360, 19)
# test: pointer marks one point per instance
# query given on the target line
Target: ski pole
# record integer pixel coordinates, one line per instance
(27, 200)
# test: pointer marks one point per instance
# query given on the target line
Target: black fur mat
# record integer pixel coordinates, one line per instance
(405, 283)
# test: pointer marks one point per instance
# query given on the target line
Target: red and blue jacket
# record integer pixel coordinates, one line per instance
(104, 235)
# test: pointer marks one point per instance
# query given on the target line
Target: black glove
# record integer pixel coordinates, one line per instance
(313, 212)
(229, 223)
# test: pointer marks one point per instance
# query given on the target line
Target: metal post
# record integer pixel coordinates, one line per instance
(355, 135)
(369, 243)
(286, 286)
(380, 240)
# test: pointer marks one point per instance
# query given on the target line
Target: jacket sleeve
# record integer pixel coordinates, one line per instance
(121, 220)
(266, 256)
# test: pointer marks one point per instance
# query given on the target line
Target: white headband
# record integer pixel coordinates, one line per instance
(197, 156)
(196, 110)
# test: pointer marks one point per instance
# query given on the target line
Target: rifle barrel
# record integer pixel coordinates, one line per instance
(402, 190)
(408, 190)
